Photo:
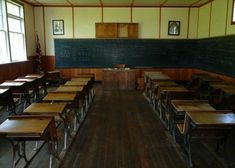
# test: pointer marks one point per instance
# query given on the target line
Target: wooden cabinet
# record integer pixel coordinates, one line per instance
(116, 30)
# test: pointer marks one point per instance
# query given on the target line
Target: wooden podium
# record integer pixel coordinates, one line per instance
(119, 79)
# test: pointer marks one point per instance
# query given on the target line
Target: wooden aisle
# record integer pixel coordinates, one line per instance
(122, 131)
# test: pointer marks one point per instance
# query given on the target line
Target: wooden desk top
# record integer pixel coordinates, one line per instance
(81, 79)
(230, 91)
(165, 83)
(192, 105)
(23, 126)
(35, 76)
(69, 89)
(84, 75)
(210, 79)
(158, 77)
(199, 75)
(48, 108)
(24, 80)
(146, 73)
(172, 88)
(76, 83)
(211, 118)
(2, 91)
(60, 97)
(12, 83)
(53, 72)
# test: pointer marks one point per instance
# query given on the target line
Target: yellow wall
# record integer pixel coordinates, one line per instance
(54, 13)
(174, 14)
(29, 30)
(215, 19)
(148, 23)
(84, 21)
(193, 23)
(204, 21)
(230, 28)
(117, 14)
(207, 21)
(39, 27)
(218, 18)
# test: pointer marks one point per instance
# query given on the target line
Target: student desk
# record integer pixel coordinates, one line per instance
(92, 76)
(19, 90)
(158, 84)
(178, 108)
(76, 83)
(151, 80)
(6, 99)
(31, 85)
(221, 94)
(87, 91)
(209, 121)
(165, 95)
(53, 76)
(41, 82)
(90, 83)
(19, 129)
(79, 91)
(55, 109)
(70, 98)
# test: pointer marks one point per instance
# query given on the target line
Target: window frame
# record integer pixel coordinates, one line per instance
(6, 29)
(22, 27)
(233, 13)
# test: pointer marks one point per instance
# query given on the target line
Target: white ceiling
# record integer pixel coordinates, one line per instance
(120, 3)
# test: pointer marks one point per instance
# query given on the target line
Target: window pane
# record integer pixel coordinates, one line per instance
(233, 11)
(4, 58)
(13, 9)
(17, 47)
(14, 25)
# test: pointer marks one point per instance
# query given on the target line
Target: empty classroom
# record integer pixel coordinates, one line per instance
(117, 83)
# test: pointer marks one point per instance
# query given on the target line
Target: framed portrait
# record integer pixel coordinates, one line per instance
(58, 27)
(174, 28)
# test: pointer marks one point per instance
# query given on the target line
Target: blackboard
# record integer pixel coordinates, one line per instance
(217, 55)
(212, 54)
(101, 53)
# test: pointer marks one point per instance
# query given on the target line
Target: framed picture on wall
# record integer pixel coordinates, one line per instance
(174, 28)
(58, 27)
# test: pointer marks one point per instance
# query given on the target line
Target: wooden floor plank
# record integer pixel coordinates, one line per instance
(122, 131)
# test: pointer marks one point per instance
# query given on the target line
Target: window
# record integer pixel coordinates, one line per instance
(12, 32)
(233, 14)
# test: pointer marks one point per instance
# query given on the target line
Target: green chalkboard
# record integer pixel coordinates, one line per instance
(217, 55)
(72, 53)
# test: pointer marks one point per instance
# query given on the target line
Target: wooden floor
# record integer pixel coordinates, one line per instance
(122, 131)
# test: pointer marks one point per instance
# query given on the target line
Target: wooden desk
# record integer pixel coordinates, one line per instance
(3, 91)
(217, 121)
(18, 129)
(41, 83)
(71, 99)
(115, 79)
(166, 94)
(12, 84)
(76, 83)
(55, 109)
(81, 79)
(157, 85)
(179, 107)
(67, 89)
(60, 97)
(151, 80)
